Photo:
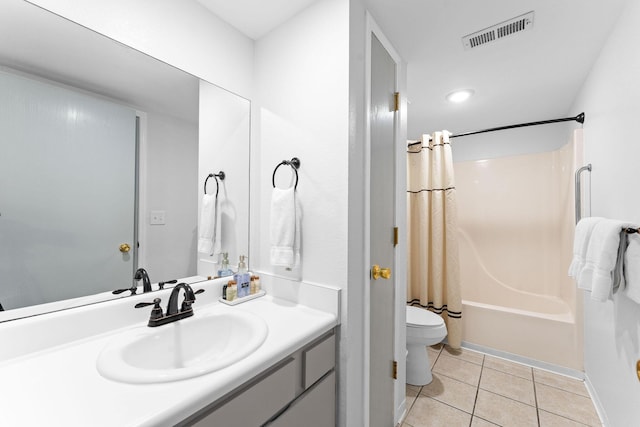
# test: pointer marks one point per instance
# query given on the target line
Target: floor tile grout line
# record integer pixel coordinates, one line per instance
(456, 379)
(475, 401)
(565, 417)
(449, 405)
(534, 406)
(562, 389)
(535, 396)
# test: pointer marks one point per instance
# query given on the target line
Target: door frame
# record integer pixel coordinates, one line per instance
(399, 266)
(142, 190)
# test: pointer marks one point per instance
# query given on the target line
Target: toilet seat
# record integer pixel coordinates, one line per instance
(420, 318)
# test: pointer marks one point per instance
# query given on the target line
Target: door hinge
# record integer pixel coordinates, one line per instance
(395, 236)
(396, 97)
(395, 370)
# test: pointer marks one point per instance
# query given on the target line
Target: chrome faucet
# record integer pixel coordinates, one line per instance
(141, 273)
(172, 314)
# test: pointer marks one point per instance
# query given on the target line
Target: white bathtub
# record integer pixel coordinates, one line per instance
(515, 237)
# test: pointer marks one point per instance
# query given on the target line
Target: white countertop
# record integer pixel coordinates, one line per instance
(60, 385)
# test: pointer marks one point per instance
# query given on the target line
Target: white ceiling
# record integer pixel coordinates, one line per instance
(534, 75)
(255, 18)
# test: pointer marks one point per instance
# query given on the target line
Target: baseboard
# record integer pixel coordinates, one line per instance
(596, 401)
(573, 373)
(402, 410)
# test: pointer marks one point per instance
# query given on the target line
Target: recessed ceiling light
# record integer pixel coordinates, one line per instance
(458, 96)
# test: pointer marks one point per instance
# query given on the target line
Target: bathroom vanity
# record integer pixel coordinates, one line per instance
(51, 376)
(300, 390)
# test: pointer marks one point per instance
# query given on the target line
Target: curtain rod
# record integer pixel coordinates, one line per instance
(579, 118)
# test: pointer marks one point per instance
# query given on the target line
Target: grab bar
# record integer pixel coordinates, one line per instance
(578, 191)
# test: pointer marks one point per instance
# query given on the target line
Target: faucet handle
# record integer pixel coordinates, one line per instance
(186, 304)
(156, 312)
(169, 282)
(119, 291)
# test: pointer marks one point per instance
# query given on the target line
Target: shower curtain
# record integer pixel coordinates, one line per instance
(433, 280)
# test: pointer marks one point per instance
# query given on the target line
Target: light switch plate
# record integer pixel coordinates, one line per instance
(156, 218)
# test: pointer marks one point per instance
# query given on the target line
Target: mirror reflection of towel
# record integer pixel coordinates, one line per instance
(209, 230)
(285, 228)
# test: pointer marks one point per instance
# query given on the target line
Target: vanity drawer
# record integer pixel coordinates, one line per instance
(318, 360)
(315, 408)
(255, 405)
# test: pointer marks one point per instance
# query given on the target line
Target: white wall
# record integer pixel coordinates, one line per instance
(182, 33)
(301, 108)
(171, 153)
(609, 98)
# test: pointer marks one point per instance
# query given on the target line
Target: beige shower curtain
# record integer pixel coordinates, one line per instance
(433, 272)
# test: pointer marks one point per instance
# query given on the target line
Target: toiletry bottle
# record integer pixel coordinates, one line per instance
(224, 291)
(231, 290)
(252, 288)
(224, 268)
(242, 278)
(258, 286)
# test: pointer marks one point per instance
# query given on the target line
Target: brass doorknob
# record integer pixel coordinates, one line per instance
(377, 272)
(124, 248)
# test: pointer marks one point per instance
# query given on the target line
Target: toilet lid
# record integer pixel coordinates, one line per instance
(421, 317)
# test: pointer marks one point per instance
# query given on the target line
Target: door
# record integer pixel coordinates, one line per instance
(382, 253)
(67, 183)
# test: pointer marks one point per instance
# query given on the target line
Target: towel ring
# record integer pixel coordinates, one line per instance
(220, 175)
(295, 165)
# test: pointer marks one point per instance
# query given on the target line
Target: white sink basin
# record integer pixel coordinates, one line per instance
(184, 349)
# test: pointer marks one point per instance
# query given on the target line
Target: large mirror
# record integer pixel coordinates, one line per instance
(102, 143)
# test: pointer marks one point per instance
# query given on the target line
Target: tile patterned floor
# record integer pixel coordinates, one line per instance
(472, 389)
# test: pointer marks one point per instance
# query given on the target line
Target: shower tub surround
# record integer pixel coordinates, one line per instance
(515, 220)
(50, 360)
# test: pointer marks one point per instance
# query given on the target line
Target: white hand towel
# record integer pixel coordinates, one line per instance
(601, 258)
(285, 228)
(209, 230)
(584, 228)
(632, 268)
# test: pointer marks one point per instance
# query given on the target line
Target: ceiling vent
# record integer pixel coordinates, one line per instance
(498, 31)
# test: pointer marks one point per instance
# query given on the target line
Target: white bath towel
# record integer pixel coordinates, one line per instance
(632, 268)
(209, 231)
(601, 258)
(581, 238)
(285, 228)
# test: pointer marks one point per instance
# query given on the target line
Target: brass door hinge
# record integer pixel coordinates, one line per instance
(395, 236)
(395, 370)
(396, 97)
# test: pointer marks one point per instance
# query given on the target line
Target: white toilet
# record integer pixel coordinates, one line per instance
(423, 328)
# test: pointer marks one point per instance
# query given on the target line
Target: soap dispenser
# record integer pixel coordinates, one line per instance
(224, 268)
(242, 278)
